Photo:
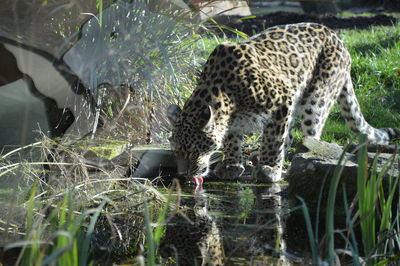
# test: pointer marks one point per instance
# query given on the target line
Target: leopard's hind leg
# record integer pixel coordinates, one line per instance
(355, 120)
(315, 109)
(321, 94)
(319, 99)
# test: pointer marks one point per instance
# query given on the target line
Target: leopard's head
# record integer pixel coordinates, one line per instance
(193, 140)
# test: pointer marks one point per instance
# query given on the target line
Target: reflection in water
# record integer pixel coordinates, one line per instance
(196, 238)
(230, 224)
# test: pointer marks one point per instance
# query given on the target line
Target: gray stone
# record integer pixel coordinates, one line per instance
(153, 161)
(222, 7)
(322, 148)
(308, 171)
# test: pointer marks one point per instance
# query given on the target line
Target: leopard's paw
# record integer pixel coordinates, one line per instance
(267, 174)
(229, 171)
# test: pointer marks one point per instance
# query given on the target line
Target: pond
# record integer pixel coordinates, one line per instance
(230, 223)
(227, 222)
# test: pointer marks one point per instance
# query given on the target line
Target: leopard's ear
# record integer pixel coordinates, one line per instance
(207, 119)
(173, 112)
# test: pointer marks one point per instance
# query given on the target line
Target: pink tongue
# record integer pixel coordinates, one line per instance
(198, 180)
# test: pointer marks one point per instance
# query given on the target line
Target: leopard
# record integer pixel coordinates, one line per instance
(262, 84)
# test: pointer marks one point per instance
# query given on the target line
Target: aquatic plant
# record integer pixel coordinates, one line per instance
(154, 232)
(378, 219)
(58, 237)
(373, 211)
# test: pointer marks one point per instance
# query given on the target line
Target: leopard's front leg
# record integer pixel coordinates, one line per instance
(232, 166)
(272, 150)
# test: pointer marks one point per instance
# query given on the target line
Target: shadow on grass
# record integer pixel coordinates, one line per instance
(377, 47)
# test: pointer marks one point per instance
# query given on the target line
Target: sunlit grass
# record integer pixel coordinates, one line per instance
(376, 78)
(351, 14)
(59, 238)
(377, 214)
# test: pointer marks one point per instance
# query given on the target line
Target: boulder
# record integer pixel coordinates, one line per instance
(212, 8)
(313, 170)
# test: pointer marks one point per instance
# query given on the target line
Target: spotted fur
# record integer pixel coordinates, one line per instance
(261, 84)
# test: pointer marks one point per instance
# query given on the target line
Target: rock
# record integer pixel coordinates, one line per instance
(153, 161)
(253, 158)
(307, 173)
(322, 148)
(308, 170)
(221, 8)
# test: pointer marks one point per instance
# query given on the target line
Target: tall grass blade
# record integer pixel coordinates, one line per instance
(31, 208)
(151, 247)
(366, 189)
(313, 243)
(386, 203)
(222, 27)
(59, 254)
(99, 6)
(84, 252)
(352, 242)
(319, 207)
(31, 253)
(330, 207)
(160, 228)
(64, 241)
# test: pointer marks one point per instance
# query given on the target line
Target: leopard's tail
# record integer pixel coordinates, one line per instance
(355, 120)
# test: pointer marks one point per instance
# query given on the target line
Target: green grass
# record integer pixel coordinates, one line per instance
(60, 237)
(378, 218)
(376, 78)
(350, 14)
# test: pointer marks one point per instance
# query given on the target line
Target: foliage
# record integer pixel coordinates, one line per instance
(377, 215)
(377, 219)
(154, 235)
(59, 237)
(150, 51)
(73, 209)
(246, 202)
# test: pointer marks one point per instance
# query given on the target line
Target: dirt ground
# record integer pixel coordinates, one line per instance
(258, 24)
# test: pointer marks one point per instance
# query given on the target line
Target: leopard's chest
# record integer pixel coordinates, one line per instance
(247, 121)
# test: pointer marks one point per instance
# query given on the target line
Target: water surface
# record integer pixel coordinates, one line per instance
(231, 223)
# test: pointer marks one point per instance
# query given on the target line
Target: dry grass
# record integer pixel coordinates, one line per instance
(71, 170)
